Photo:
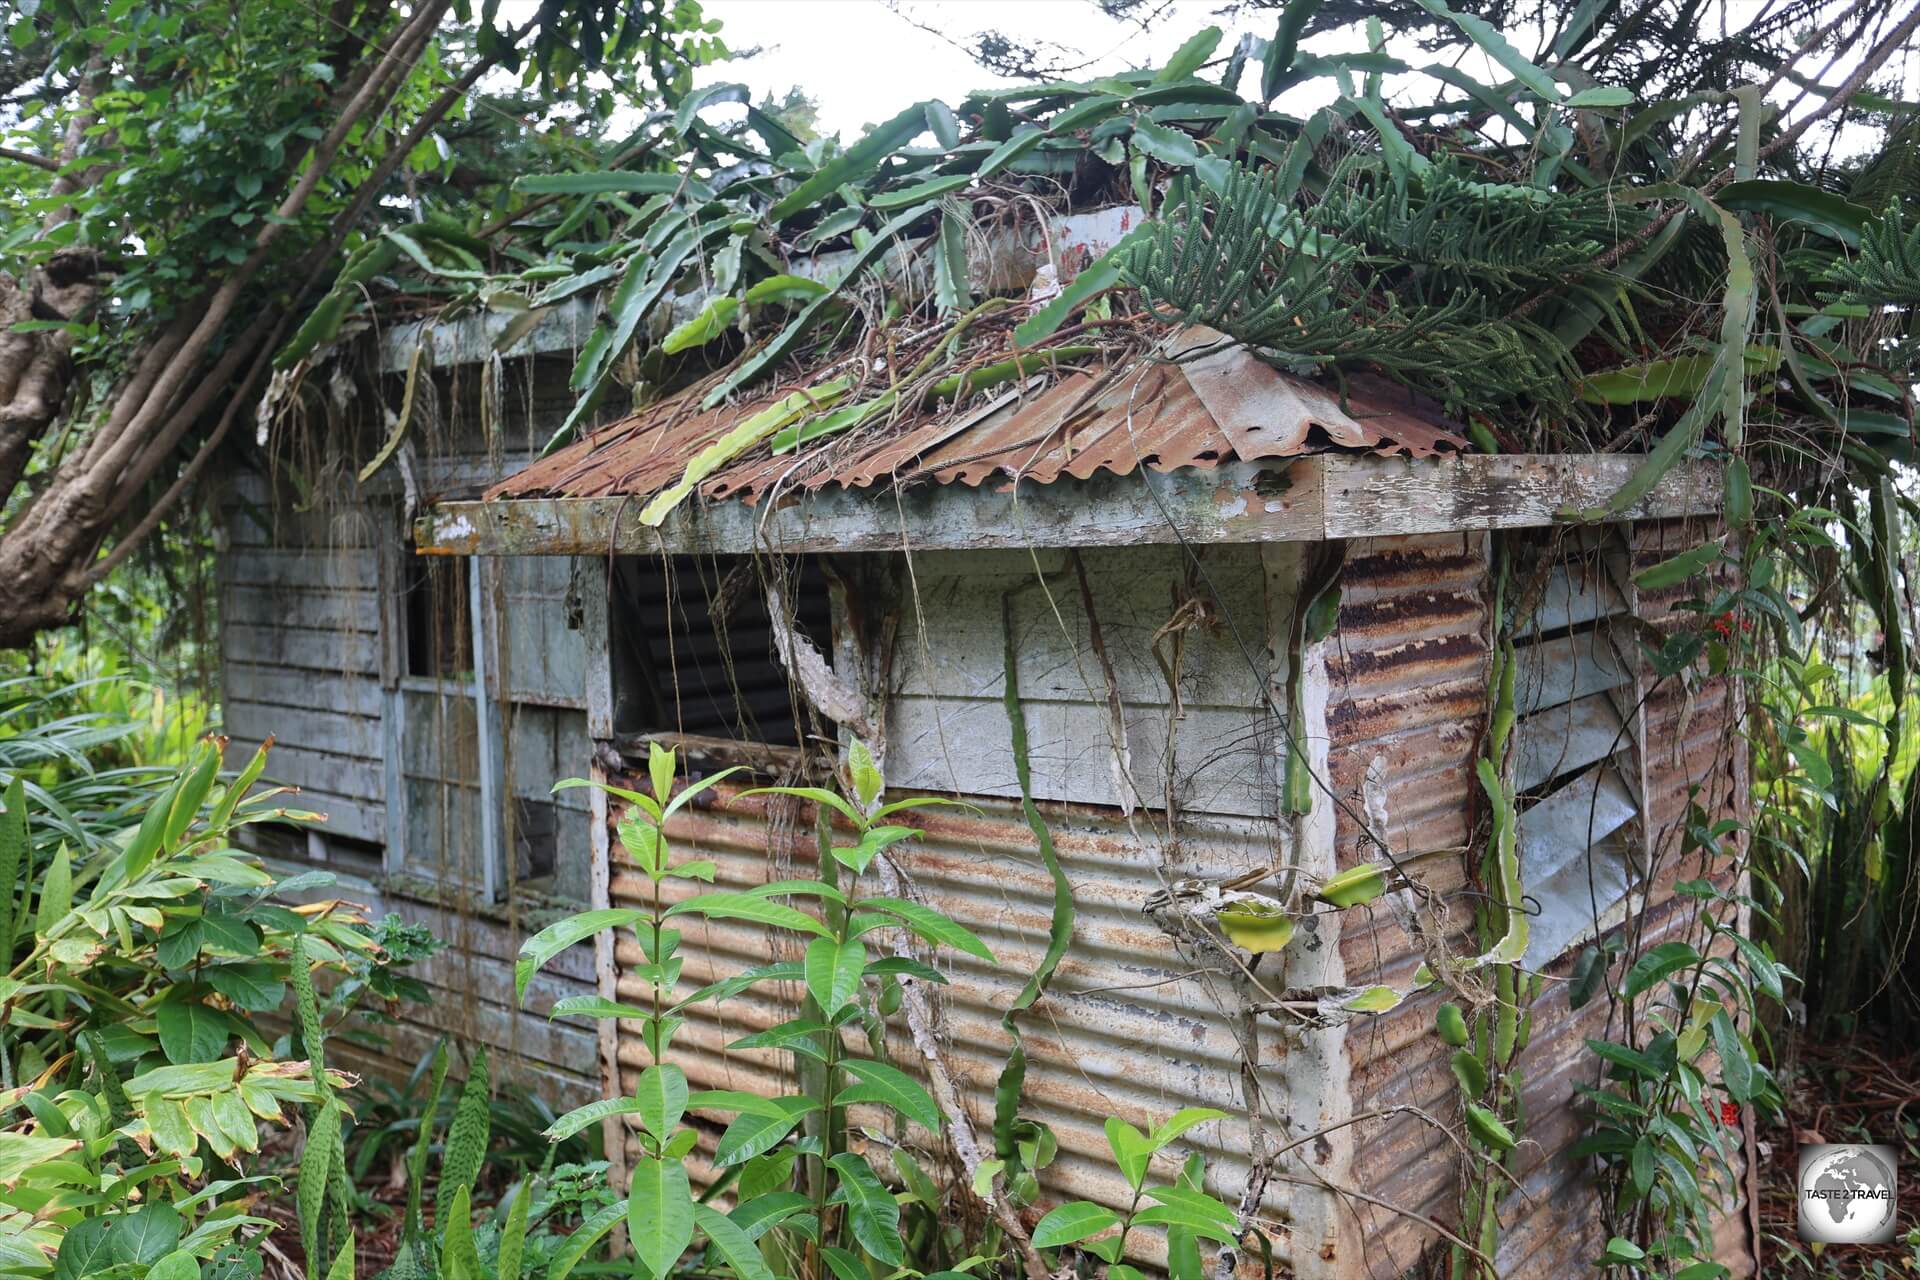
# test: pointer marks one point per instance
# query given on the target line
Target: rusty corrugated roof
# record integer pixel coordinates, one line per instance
(1198, 401)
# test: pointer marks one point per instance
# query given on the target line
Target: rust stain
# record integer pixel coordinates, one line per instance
(1152, 413)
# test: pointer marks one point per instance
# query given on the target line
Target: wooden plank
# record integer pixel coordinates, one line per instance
(354, 818)
(308, 648)
(319, 728)
(1232, 503)
(596, 648)
(960, 599)
(1557, 740)
(354, 778)
(352, 568)
(351, 695)
(298, 607)
(1368, 497)
(1310, 498)
(1224, 756)
(254, 524)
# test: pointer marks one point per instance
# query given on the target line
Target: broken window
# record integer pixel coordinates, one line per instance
(437, 615)
(695, 651)
(1576, 764)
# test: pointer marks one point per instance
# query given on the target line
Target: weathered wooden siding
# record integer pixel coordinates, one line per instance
(1407, 699)
(1153, 607)
(314, 653)
(300, 652)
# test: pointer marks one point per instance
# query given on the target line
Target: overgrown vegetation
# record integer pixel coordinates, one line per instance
(1711, 260)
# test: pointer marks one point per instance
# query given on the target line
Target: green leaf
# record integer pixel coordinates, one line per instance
(1167, 145)
(859, 160)
(466, 1146)
(834, 972)
(871, 1209)
(191, 1032)
(181, 1265)
(743, 906)
(659, 1214)
(1736, 1058)
(316, 1166)
(742, 1255)
(595, 1007)
(702, 328)
(555, 938)
(1182, 1120)
(577, 1243)
(56, 892)
(784, 289)
(952, 289)
(459, 1256)
(83, 1250)
(1132, 1150)
(601, 183)
(1182, 1215)
(890, 1087)
(737, 440)
(1604, 95)
(860, 856)
(1668, 957)
(1676, 570)
(752, 1133)
(931, 189)
(1097, 277)
(1073, 1222)
(757, 1215)
(931, 925)
(13, 849)
(1621, 1250)
(592, 1113)
(1190, 57)
(144, 1236)
(801, 1035)
(662, 1094)
(1833, 216)
(1495, 46)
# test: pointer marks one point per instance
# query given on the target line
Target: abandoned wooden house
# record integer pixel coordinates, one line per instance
(1136, 548)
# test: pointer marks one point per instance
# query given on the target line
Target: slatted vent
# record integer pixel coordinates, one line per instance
(1576, 767)
(693, 646)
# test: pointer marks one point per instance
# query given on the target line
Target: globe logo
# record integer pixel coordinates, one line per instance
(1848, 1194)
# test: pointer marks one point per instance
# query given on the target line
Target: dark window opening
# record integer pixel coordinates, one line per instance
(536, 838)
(694, 647)
(439, 617)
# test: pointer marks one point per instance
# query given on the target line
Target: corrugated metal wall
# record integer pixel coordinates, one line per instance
(1407, 676)
(1121, 1033)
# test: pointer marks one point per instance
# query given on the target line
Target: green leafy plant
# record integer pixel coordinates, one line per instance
(135, 1078)
(1182, 1208)
(803, 1195)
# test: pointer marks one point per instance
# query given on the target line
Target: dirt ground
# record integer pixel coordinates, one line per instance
(1855, 1090)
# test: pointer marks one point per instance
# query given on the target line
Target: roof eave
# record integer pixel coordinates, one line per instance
(1306, 499)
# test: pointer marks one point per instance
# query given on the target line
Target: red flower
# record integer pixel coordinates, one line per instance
(1730, 1113)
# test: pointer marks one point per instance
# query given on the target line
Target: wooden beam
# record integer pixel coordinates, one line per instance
(1308, 499)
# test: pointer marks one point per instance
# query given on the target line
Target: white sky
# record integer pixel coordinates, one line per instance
(862, 62)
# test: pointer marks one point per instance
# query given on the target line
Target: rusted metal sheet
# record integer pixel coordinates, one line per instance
(1407, 673)
(1151, 411)
(1125, 1030)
